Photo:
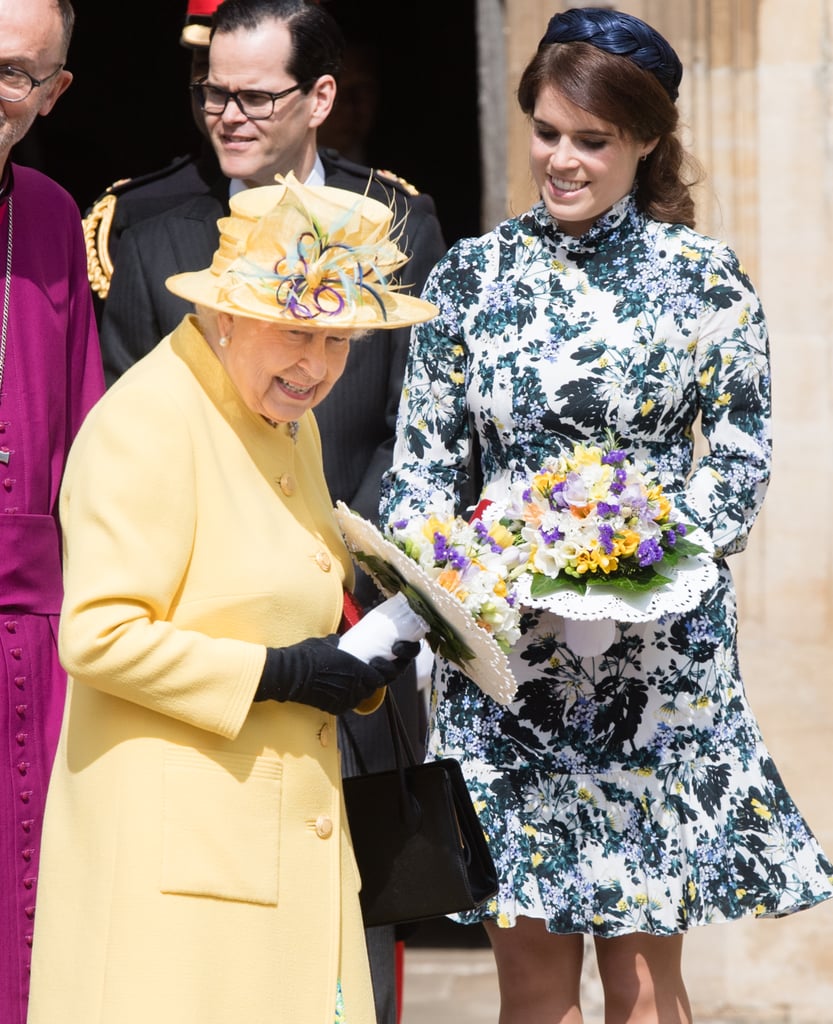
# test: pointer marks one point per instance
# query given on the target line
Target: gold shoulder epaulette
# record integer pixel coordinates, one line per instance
(97, 224)
(409, 188)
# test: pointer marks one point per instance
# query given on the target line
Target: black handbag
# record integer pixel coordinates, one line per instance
(418, 841)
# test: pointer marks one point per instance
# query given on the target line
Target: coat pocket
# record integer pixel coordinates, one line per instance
(221, 825)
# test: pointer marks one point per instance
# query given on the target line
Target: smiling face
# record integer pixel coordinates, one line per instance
(31, 40)
(580, 164)
(281, 372)
(255, 151)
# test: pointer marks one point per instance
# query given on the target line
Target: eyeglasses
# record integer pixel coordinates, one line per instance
(252, 103)
(16, 84)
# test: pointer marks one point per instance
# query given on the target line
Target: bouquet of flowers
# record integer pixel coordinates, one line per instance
(595, 517)
(458, 577)
(474, 562)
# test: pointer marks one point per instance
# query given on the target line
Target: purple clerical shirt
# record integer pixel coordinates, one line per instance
(51, 377)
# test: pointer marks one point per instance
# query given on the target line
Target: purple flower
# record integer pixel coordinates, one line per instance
(620, 477)
(649, 552)
(606, 537)
(604, 509)
(613, 458)
(551, 536)
(444, 552)
(483, 536)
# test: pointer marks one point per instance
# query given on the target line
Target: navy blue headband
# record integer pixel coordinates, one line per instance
(622, 34)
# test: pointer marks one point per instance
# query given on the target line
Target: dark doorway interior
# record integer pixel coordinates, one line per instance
(128, 111)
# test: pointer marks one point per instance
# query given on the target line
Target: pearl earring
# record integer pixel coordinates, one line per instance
(223, 340)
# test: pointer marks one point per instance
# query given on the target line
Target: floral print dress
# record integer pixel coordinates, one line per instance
(631, 791)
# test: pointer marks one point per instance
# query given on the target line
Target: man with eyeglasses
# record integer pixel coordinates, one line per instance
(50, 376)
(269, 87)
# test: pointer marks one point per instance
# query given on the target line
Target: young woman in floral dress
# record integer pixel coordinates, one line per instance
(628, 796)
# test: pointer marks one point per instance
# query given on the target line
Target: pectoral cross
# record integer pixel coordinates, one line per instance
(4, 458)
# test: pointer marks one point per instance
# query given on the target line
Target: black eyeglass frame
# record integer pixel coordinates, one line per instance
(198, 87)
(36, 83)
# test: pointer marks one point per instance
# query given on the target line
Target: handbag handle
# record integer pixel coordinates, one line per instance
(404, 755)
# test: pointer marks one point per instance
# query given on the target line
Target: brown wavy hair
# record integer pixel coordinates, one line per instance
(615, 89)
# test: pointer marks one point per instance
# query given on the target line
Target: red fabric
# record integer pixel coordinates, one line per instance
(481, 508)
(350, 613)
(204, 8)
(400, 979)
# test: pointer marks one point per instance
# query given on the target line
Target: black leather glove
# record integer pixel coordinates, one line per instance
(317, 673)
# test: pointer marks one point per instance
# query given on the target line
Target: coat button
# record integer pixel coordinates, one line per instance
(323, 826)
(287, 484)
(323, 560)
(324, 735)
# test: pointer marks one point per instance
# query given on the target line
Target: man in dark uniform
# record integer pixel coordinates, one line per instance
(133, 199)
(271, 83)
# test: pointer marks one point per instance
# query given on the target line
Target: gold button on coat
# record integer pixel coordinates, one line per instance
(323, 560)
(323, 826)
(287, 483)
(324, 735)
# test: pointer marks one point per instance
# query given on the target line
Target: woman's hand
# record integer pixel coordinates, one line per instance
(318, 673)
(376, 634)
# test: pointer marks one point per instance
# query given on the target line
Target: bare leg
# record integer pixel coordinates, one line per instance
(642, 979)
(539, 974)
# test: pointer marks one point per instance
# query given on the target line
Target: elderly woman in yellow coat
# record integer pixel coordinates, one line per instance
(197, 864)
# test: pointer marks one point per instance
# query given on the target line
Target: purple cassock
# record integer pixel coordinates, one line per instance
(51, 376)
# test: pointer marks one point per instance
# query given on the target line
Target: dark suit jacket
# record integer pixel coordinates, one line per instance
(358, 417)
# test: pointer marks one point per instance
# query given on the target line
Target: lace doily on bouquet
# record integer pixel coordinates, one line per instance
(453, 632)
(691, 578)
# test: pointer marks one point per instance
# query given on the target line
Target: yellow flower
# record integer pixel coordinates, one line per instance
(761, 810)
(625, 543)
(706, 377)
(500, 535)
(692, 890)
(536, 859)
(760, 910)
(622, 905)
(530, 830)
(744, 318)
(724, 399)
(641, 899)
(503, 920)
(603, 362)
(691, 254)
(584, 794)
(740, 893)
(663, 366)
(646, 406)
(456, 377)
(597, 919)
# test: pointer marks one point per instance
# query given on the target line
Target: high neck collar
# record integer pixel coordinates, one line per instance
(624, 209)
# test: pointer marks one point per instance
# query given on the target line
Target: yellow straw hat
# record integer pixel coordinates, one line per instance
(306, 256)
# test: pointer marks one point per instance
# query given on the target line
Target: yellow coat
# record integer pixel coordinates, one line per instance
(196, 864)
